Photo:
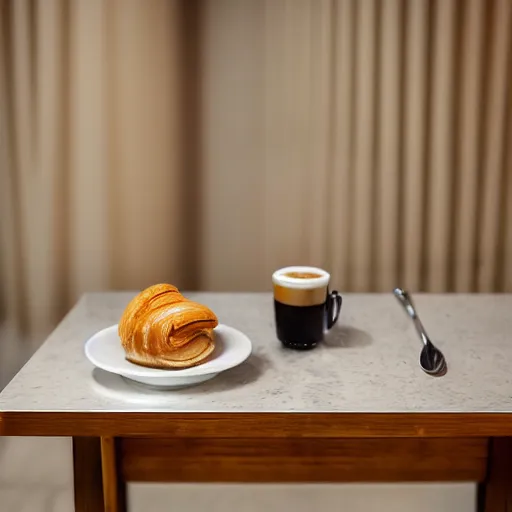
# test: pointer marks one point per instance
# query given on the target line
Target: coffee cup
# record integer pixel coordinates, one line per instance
(303, 305)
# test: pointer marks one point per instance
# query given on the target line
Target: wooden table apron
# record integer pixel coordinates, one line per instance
(110, 449)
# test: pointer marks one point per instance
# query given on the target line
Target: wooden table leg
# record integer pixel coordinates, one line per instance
(114, 488)
(87, 473)
(495, 494)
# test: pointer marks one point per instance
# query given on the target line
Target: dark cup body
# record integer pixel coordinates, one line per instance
(299, 327)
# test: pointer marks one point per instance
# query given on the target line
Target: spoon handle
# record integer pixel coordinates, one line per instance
(405, 299)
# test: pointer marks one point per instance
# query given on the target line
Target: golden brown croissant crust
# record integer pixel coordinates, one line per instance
(162, 329)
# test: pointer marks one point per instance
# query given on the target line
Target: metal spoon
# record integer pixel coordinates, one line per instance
(432, 360)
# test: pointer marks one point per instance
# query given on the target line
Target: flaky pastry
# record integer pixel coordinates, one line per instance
(160, 328)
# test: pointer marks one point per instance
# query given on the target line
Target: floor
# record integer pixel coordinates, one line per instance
(36, 476)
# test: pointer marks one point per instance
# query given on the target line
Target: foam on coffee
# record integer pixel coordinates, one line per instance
(302, 275)
(300, 286)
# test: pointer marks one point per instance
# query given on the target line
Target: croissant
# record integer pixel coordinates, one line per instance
(160, 328)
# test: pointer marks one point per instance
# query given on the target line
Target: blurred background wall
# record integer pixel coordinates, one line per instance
(207, 142)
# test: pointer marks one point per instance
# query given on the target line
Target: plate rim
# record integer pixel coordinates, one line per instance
(155, 373)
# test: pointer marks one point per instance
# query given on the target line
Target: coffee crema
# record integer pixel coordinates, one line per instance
(302, 275)
(300, 297)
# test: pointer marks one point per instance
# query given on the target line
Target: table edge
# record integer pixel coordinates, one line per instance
(255, 424)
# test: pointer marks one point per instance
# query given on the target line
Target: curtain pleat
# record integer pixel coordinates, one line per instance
(10, 261)
(50, 159)
(469, 109)
(288, 97)
(362, 243)
(441, 146)
(25, 173)
(497, 95)
(318, 173)
(388, 163)
(143, 119)
(232, 179)
(413, 219)
(340, 186)
(88, 146)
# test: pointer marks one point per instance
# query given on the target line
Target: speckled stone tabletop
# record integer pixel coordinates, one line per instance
(368, 362)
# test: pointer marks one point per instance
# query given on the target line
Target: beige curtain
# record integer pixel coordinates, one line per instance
(208, 142)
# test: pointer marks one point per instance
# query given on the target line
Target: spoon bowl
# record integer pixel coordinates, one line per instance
(432, 360)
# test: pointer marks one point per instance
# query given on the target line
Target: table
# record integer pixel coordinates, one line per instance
(357, 408)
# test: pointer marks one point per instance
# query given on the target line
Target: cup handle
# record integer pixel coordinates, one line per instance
(333, 308)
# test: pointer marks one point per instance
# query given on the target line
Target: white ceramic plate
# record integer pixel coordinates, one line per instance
(105, 351)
